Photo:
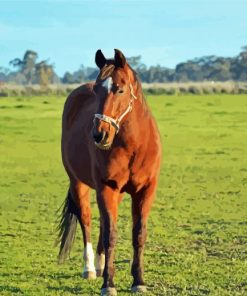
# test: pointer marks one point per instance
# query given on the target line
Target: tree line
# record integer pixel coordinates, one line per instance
(29, 70)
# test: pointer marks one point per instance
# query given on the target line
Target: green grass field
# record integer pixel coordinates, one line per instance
(197, 242)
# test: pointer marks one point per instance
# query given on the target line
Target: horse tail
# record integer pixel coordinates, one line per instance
(67, 227)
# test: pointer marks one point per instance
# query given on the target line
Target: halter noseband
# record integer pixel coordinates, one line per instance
(115, 122)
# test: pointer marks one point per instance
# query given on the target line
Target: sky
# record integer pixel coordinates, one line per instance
(68, 33)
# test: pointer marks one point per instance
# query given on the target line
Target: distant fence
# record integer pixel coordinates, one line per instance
(207, 87)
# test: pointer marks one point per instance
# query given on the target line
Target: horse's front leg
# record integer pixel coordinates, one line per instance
(141, 205)
(108, 205)
(100, 253)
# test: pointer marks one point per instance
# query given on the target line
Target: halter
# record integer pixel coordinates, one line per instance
(115, 122)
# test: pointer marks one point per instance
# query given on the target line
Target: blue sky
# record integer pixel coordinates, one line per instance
(162, 32)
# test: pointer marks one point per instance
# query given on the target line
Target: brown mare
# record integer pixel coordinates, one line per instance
(110, 143)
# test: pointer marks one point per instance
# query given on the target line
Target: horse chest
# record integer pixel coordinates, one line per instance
(143, 168)
(139, 176)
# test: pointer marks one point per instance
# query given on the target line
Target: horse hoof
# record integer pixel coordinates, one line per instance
(139, 289)
(89, 275)
(108, 292)
(99, 272)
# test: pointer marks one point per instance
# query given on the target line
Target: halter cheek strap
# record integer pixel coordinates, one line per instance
(115, 122)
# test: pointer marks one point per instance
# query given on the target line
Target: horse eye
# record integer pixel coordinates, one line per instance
(120, 91)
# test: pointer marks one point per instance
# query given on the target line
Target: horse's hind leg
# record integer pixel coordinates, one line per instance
(80, 192)
(141, 205)
(100, 253)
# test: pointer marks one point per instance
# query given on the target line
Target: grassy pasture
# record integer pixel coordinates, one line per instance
(197, 242)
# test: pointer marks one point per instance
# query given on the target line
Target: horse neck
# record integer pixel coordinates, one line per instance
(137, 120)
(140, 107)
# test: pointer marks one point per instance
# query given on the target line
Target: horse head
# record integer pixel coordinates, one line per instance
(115, 93)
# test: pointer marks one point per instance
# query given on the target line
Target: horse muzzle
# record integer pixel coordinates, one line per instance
(101, 139)
(104, 130)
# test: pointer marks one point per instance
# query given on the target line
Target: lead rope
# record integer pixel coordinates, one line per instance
(116, 122)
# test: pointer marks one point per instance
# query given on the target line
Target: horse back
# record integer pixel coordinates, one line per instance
(80, 100)
(78, 113)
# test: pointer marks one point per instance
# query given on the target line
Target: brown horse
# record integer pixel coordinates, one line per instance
(110, 143)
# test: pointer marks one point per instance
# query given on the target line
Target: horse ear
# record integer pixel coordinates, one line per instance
(100, 59)
(120, 59)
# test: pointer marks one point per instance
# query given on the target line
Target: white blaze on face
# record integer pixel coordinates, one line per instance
(88, 258)
(107, 84)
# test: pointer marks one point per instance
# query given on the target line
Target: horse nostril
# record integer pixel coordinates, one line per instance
(98, 137)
